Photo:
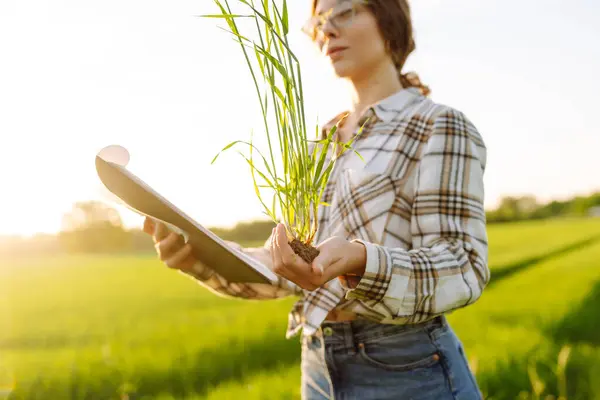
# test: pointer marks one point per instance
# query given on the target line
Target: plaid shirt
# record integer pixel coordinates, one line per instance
(415, 203)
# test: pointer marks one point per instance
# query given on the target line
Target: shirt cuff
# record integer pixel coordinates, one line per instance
(377, 276)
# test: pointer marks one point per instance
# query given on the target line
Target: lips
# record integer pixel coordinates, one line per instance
(335, 50)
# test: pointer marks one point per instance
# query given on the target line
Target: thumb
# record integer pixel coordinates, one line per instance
(321, 262)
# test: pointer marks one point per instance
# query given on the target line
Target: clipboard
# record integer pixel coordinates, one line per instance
(212, 251)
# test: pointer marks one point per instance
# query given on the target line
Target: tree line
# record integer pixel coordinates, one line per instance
(95, 227)
(511, 209)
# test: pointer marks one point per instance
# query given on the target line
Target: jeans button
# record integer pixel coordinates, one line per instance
(327, 331)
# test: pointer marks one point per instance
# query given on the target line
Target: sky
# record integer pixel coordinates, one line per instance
(78, 75)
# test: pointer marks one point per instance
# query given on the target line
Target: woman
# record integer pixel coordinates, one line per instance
(404, 240)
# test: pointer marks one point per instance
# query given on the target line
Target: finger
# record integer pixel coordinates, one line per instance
(322, 261)
(281, 269)
(275, 255)
(290, 259)
(302, 281)
(180, 259)
(169, 245)
(160, 232)
(295, 268)
(351, 281)
(148, 225)
(188, 264)
(317, 269)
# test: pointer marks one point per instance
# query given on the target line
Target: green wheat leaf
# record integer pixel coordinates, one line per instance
(225, 16)
(299, 174)
(285, 20)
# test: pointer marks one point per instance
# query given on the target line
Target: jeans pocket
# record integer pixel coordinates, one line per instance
(394, 360)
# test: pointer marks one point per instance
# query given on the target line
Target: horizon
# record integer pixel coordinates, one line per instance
(85, 75)
(31, 235)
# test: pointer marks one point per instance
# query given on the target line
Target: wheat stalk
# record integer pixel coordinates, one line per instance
(299, 180)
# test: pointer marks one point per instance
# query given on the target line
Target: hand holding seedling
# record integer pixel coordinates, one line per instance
(337, 257)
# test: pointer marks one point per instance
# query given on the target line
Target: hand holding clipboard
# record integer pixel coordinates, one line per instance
(212, 251)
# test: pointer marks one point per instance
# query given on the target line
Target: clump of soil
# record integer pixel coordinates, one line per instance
(306, 252)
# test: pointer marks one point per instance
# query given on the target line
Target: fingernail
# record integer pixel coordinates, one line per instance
(318, 269)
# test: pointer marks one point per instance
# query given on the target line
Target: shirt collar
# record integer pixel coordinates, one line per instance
(387, 108)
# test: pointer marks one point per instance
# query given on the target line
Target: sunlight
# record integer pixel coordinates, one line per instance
(140, 78)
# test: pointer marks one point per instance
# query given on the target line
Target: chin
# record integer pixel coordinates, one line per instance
(343, 69)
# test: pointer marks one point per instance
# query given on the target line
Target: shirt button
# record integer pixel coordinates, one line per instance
(328, 331)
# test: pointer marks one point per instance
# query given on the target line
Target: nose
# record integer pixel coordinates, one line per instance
(328, 30)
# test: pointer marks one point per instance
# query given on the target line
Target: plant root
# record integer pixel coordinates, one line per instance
(307, 252)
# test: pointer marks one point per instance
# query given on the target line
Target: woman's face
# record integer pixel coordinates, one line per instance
(349, 37)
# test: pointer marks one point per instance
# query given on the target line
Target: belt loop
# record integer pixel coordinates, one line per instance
(349, 341)
(436, 325)
(444, 320)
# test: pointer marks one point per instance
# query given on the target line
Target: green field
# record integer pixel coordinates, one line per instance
(126, 327)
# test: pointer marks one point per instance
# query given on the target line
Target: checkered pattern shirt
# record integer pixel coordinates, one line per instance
(415, 202)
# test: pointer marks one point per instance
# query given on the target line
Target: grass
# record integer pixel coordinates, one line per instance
(521, 319)
(128, 328)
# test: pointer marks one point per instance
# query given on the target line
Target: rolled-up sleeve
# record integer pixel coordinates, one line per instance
(446, 267)
(220, 286)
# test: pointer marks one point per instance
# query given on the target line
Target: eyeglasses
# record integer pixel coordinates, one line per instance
(340, 16)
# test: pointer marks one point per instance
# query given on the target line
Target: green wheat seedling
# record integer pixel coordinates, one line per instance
(298, 181)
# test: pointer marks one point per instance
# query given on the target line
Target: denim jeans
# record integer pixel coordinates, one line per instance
(366, 360)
